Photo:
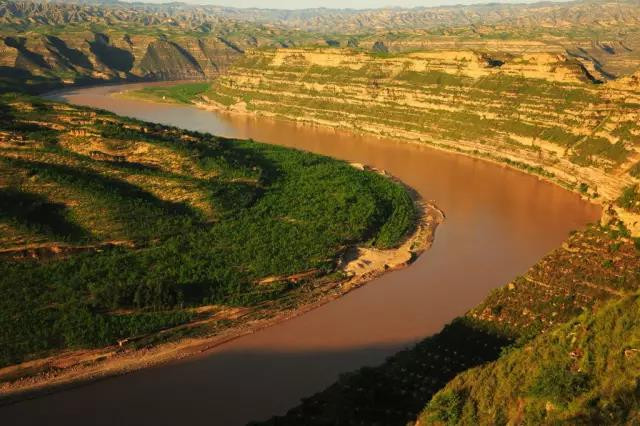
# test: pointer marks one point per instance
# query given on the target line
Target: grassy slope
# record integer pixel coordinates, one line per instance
(153, 221)
(180, 93)
(583, 372)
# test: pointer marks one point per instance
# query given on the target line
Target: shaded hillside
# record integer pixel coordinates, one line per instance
(112, 229)
(47, 45)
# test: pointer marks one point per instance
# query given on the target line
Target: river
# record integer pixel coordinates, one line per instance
(499, 222)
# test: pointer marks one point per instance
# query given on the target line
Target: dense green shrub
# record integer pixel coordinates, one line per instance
(557, 382)
(630, 198)
(183, 93)
(278, 212)
(446, 407)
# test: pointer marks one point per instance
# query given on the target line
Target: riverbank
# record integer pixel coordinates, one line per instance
(461, 359)
(521, 218)
(535, 113)
(564, 177)
(358, 266)
(604, 188)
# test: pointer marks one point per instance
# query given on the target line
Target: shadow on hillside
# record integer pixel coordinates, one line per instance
(397, 391)
(25, 130)
(88, 180)
(113, 57)
(233, 385)
(35, 212)
(74, 56)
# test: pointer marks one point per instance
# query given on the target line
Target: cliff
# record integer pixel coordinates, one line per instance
(540, 111)
(43, 61)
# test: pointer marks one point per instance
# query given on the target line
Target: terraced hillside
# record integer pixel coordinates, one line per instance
(49, 44)
(583, 372)
(540, 111)
(113, 229)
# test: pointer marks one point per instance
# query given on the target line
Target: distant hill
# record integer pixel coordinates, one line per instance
(50, 44)
(596, 14)
(47, 45)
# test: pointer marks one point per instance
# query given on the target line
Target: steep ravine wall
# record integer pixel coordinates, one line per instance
(36, 61)
(539, 111)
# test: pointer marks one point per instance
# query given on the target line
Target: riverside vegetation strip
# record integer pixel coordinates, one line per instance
(116, 229)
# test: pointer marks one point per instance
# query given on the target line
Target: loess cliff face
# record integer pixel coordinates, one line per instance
(540, 111)
(91, 56)
(48, 44)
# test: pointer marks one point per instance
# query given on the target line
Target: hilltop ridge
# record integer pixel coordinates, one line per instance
(115, 41)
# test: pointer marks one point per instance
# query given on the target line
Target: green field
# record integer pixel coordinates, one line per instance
(180, 93)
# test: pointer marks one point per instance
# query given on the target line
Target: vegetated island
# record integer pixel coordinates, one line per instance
(134, 243)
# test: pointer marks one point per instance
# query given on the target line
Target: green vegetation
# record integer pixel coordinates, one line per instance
(447, 408)
(630, 199)
(503, 113)
(194, 220)
(114, 229)
(583, 372)
(181, 93)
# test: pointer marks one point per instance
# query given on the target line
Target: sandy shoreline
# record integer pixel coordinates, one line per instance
(71, 369)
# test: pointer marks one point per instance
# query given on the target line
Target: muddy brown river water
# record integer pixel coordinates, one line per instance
(498, 223)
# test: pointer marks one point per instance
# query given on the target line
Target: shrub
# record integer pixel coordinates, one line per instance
(583, 188)
(630, 198)
(557, 382)
(447, 407)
